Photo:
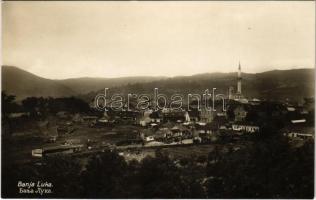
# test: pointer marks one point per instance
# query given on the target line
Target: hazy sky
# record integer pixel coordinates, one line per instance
(110, 39)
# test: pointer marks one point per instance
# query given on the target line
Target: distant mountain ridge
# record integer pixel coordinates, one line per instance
(24, 84)
(87, 84)
(294, 84)
(276, 84)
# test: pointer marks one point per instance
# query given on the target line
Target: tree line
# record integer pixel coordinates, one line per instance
(41, 105)
(37, 108)
(269, 168)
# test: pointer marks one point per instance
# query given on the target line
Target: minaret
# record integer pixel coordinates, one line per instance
(239, 80)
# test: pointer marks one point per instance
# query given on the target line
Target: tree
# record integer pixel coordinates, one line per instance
(8, 106)
(12, 174)
(160, 178)
(104, 176)
(270, 168)
(30, 104)
(70, 104)
(64, 173)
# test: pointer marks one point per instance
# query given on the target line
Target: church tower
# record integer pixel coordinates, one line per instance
(239, 80)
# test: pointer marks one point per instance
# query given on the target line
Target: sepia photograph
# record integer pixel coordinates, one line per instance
(158, 99)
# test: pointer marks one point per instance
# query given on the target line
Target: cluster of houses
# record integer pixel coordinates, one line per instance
(203, 125)
(166, 127)
(199, 125)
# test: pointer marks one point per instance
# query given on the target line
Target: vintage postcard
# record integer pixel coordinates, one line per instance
(158, 99)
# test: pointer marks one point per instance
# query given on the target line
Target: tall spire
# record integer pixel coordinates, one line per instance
(239, 79)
